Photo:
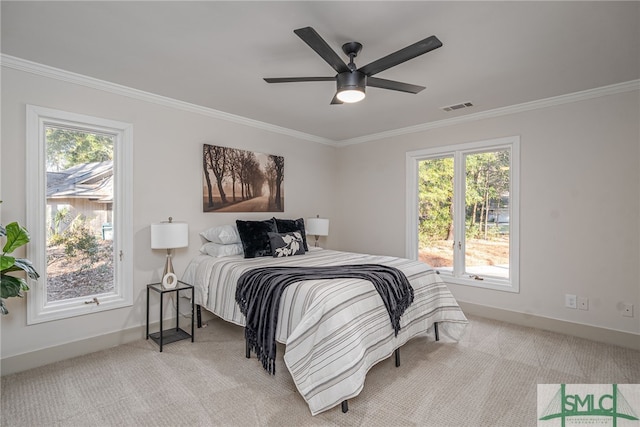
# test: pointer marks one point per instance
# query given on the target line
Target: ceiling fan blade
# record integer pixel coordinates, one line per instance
(403, 55)
(298, 79)
(393, 85)
(335, 100)
(317, 43)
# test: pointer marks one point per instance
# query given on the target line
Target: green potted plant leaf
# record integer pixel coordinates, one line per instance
(12, 286)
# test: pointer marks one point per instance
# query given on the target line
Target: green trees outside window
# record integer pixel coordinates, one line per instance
(486, 212)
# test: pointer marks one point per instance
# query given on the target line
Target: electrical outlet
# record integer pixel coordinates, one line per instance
(627, 310)
(583, 303)
(570, 301)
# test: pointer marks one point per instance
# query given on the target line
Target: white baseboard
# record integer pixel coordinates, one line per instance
(34, 359)
(594, 333)
(37, 358)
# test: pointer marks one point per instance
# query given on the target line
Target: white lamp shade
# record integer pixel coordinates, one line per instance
(169, 235)
(317, 226)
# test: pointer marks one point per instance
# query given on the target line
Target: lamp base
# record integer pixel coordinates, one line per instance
(169, 279)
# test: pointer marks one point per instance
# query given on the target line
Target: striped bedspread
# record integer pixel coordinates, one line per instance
(334, 330)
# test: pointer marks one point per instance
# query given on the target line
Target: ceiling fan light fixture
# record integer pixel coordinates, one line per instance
(351, 86)
(352, 80)
(351, 95)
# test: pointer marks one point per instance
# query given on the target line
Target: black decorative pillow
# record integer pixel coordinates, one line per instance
(286, 244)
(289, 225)
(255, 238)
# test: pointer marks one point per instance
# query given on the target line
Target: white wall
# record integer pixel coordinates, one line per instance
(580, 198)
(580, 205)
(167, 182)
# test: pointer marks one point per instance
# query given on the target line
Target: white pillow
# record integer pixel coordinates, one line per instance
(223, 234)
(217, 250)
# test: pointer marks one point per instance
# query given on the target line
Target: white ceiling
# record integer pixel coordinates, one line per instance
(215, 54)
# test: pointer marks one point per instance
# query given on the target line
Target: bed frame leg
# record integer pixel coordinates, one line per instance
(435, 329)
(199, 315)
(345, 406)
(397, 352)
(247, 349)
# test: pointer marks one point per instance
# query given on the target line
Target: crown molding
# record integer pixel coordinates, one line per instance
(93, 83)
(503, 111)
(90, 82)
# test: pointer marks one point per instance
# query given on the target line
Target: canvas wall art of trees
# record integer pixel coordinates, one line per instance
(237, 180)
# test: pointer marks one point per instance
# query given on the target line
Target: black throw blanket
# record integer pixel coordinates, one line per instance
(259, 290)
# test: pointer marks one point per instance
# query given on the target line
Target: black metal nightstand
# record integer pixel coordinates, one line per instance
(170, 335)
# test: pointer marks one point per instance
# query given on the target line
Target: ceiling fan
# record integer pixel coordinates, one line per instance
(351, 81)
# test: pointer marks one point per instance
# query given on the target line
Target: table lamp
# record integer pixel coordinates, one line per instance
(317, 227)
(169, 235)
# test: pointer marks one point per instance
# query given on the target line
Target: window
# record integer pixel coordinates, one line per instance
(79, 208)
(463, 211)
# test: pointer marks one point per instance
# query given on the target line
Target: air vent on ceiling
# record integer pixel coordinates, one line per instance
(457, 106)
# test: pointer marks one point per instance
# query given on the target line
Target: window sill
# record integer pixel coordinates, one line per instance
(77, 307)
(493, 283)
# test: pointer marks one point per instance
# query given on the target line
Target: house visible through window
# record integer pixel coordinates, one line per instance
(79, 213)
(79, 177)
(463, 212)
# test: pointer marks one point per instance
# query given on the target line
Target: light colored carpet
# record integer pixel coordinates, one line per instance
(488, 379)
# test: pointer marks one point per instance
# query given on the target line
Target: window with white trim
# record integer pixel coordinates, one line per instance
(79, 210)
(463, 214)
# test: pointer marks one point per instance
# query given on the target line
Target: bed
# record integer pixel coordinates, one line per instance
(334, 330)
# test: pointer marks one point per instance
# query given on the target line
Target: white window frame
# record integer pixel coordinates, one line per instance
(38, 310)
(512, 284)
